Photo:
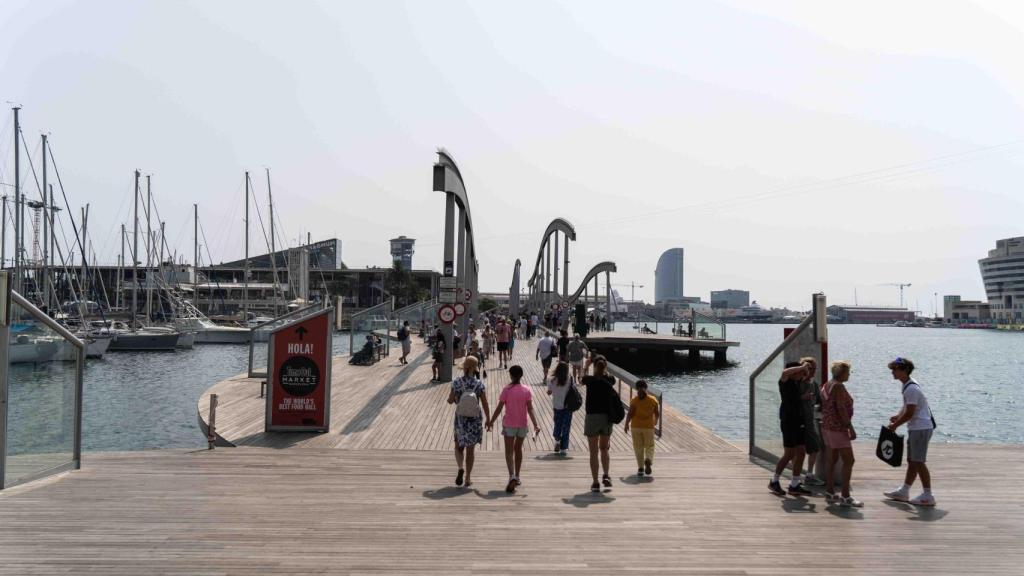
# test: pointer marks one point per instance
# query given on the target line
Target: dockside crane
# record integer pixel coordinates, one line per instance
(901, 286)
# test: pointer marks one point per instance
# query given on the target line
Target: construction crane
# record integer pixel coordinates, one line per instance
(901, 286)
(632, 289)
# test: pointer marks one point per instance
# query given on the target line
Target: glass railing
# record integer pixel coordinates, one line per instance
(418, 315)
(259, 338)
(374, 318)
(765, 400)
(41, 426)
(707, 327)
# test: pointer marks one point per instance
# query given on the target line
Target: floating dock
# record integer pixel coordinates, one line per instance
(661, 348)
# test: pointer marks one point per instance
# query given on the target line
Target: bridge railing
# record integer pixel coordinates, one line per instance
(805, 340)
(707, 327)
(374, 318)
(414, 314)
(259, 338)
(41, 389)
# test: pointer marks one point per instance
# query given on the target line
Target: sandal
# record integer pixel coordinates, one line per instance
(458, 477)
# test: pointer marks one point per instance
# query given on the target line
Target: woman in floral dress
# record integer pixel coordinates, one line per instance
(469, 430)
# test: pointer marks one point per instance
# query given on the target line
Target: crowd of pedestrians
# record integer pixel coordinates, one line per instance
(802, 399)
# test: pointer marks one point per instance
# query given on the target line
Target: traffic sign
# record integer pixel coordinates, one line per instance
(446, 296)
(448, 281)
(467, 294)
(446, 314)
(460, 309)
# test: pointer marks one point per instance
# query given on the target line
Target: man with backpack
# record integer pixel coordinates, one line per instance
(917, 415)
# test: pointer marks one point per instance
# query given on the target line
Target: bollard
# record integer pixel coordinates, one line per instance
(211, 429)
(263, 387)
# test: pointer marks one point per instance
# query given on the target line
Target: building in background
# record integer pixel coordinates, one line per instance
(402, 249)
(323, 255)
(870, 314)
(668, 277)
(957, 311)
(1003, 275)
(730, 299)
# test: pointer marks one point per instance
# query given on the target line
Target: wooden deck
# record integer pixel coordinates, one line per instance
(389, 406)
(322, 511)
(664, 341)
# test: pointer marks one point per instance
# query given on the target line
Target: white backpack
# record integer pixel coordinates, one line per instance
(468, 405)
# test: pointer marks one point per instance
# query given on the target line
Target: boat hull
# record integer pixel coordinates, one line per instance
(225, 336)
(143, 341)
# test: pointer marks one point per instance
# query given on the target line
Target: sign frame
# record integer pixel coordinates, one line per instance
(441, 310)
(269, 426)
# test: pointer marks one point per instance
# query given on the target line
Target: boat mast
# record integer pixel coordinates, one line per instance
(245, 270)
(273, 252)
(44, 271)
(135, 255)
(119, 298)
(195, 255)
(85, 243)
(149, 252)
(53, 238)
(17, 201)
(3, 233)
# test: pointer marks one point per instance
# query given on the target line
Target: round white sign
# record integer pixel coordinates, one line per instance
(460, 309)
(446, 314)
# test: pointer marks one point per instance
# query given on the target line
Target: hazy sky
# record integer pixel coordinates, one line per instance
(789, 148)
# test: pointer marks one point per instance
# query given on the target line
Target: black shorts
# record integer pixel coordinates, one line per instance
(546, 363)
(812, 440)
(793, 434)
(502, 346)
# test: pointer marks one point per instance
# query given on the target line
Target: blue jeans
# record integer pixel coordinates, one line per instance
(563, 423)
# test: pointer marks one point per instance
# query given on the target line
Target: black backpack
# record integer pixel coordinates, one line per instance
(617, 410)
(573, 399)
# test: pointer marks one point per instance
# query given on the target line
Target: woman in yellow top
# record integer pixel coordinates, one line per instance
(643, 414)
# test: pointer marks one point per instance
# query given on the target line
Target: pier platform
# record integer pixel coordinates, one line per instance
(326, 511)
(660, 346)
(390, 406)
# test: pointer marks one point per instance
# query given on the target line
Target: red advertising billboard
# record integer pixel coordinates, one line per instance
(299, 395)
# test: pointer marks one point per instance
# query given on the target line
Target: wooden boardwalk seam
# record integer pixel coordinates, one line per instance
(390, 406)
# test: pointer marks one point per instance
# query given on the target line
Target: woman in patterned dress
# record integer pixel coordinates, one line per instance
(469, 431)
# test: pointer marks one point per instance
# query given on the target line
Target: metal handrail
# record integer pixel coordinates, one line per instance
(45, 319)
(764, 365)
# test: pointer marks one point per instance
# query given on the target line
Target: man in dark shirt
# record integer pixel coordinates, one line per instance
(563, 346)
(791, 421)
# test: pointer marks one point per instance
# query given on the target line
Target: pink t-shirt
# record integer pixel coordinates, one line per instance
(515, 397)
(504, 332)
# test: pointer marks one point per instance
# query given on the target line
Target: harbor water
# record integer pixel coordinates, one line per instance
(974, 380)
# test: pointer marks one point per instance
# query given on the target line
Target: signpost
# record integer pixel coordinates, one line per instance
(299, 395)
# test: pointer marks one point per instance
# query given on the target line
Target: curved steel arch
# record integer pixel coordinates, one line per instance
(556, 225)
(448, 179)
(513, 292)
(606, 266)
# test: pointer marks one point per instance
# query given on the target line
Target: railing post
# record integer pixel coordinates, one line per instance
(211, 429)
(661, 412)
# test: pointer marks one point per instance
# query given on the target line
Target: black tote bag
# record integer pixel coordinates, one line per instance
(890, 447)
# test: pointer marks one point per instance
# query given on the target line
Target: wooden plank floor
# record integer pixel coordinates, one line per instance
(327, 511)
(389, 406)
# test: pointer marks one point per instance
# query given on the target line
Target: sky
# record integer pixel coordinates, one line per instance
(789, 148)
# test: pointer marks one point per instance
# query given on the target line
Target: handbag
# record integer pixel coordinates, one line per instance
(890, 447)
(573, 399)
(617, 410)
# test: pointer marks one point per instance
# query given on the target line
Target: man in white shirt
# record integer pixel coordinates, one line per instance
(918, 416)
(546, 351)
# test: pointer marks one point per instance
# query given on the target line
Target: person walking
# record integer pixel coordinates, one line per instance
(503, 334)
(519, 400)
(405, 337)
(598, 424)
(811, 402)
(917, 415)
(563, 345)
(558, 388)
(546, 350)
(643, 414)
(468, 394)
(578, 352)
(791, 421)
(437, 354)
(838, 433)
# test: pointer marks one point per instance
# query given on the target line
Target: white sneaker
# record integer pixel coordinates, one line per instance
(899, 494)
(850, 502)
(925, 499)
